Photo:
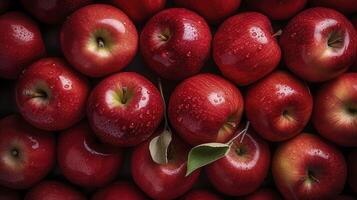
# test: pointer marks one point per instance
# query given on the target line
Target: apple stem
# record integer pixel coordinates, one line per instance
(278, 33)
(166, 126)
(242, 133)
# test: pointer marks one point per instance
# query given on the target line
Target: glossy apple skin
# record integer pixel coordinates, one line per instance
(244, 48)
(277, 9)
(201, 106)
(294, 158)
(187, 45)
(8, 194)
(85, 162)
(163, 181)
(53, 190)
(89, 23)
(237, 174)
(344, 6)
(122, 190)
(53, 11)
(278, 106)
(4, 5)
(263, 194)
(331, 117)
(36, 150)
(20, 43)
(214, 11)
(140, 10)
(352, 170)
(66, 95)
(304, 44)
(125, 124)
(200, 195)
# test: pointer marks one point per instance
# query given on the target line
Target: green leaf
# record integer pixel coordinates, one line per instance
(205, 154)
(159, 147)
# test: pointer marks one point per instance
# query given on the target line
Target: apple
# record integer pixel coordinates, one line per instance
(245, 49)
(125, 109)
(50, 95)
(200, 195)
(99, 40)
(119, 190)
(263, 194)
(345, 197)
(175, 43)
(8, 194)
(205, 108)
(214, 11)
(26, 153)
(20, 44)
(85, 162)
(53, 190)
(318, 44)
(243, 169)
(52, 11)
(277, 9)
(163, 181)
(140, 10)
(4, 5)
(352, 170)
(307, 167)
(345, 6)
(335, 110)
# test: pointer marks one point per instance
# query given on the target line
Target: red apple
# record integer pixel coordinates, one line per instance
(205, 108)
(319, 44)
(214, 11)
(4, 5)
(306, 167)
(50, 95)
(345, 6)
(263, 194)
(8, 194)
(26, 153)
(53, 11)
(175, 43)
(245, 49)
(84, 161)
(200, 195)
(354, 22)
(163, 181)
(277, 9)
(140, 10)
(120, 190)
(125, 109)
(98, 40)
(278, 106)
(20, 44)
(53, 190)
(243, 169)
(335, 110)
(352, 170)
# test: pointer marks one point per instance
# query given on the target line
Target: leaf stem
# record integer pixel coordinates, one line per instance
(242, 133)
(166, 126)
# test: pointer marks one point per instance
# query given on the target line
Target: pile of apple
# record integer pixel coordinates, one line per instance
(182, 99)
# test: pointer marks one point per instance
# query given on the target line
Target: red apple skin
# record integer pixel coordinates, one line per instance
(205, 108)
(175, 43)
(263, 194)
(335, 110)
(4, 5)
(128, 123)
(163, 181)
(352, 170)
(85, 162)
(278, 106)
(344, 6)
(120, 190)
(8, 194)
(240, 174)
(20, 43)
(200, 195)
(277, 9)
(354, 22)
(50, 95)
(140, 10)
(53, 190)
(53, 11)
(99, 22)
(245, 49)
(35, 153)
(305, 44)
(301, 160)
(214, 11)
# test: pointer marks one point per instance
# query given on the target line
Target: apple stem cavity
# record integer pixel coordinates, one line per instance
(335, 40)
(278, 33)
(100, 42)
